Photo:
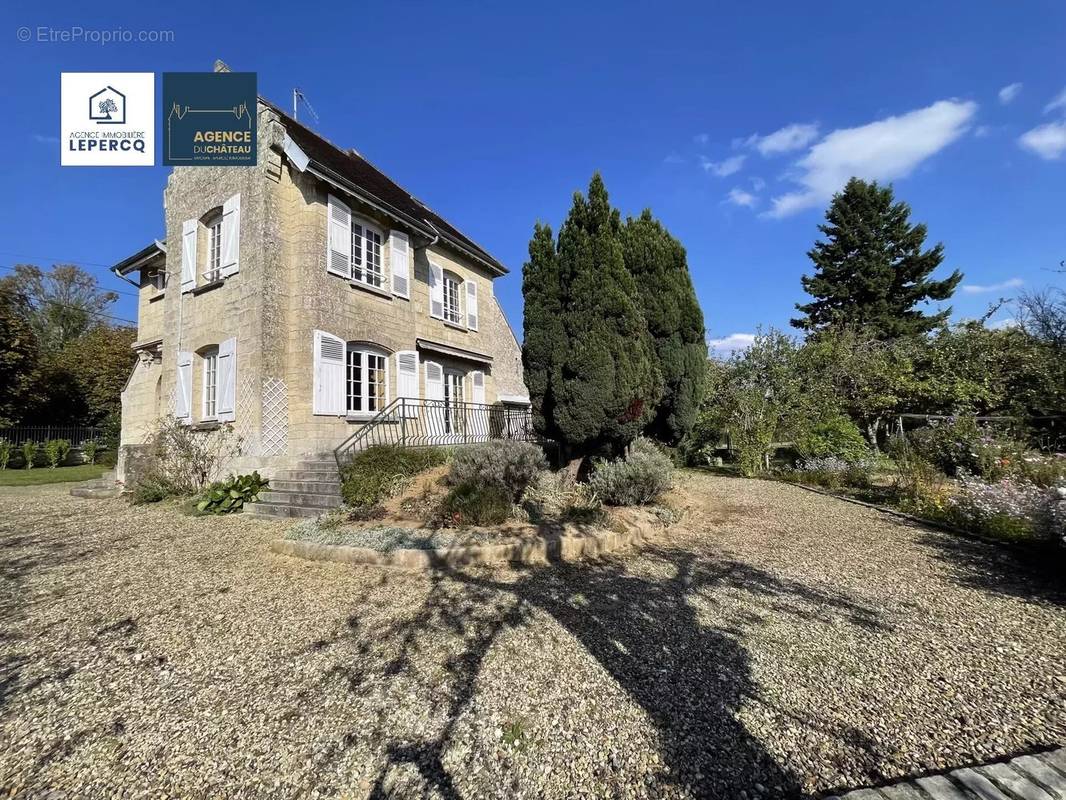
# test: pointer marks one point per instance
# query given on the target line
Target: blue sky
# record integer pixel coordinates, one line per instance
(733, 124)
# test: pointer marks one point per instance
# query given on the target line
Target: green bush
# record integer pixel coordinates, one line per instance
(836, 436)
(507, 465)
(56, 451)
(230, 495)
(960, 444)
(151, 490)
(29, 453)
(89, 450)
(470, 503)
(377, 473)
(638, 479)
(5, 453)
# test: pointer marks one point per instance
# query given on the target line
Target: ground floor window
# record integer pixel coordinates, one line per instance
(453, 401)
(210, 404)
(367, 380)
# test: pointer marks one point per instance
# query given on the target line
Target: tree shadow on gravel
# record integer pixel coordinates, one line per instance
(1030, 573)
(690, 678)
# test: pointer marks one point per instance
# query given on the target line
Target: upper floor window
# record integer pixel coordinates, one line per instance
(213, 263)
(210, 383)
(452, 312)
(367, 379)
(213, 253)
(366, 254)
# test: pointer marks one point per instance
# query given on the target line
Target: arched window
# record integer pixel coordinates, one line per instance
(367, 384)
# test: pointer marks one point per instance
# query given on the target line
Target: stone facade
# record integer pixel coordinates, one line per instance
(281, 294)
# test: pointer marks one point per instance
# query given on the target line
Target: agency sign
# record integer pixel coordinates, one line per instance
(209, 119)
(107, 119)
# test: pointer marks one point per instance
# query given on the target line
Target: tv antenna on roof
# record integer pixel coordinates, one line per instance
(297, 96)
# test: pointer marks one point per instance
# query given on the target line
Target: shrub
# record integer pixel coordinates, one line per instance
(638, 479)
(1046, 471)
(470, 503)
(920, 485)
(89, 450)
(508, 465)
(5, 453)
(1009, 509)
(557, 496)
(180, 461)
(836, 436)
(150, 490)
(56, 451)
(377, 473)
(29, 453)
(230, 495)
(960, 444)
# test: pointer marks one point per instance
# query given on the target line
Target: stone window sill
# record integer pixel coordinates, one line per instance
(206, 425)
(360, 419)
(157, 297)
(455, 326)
(366, 287)
(207, 287)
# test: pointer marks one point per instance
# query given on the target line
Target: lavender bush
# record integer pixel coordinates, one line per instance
(832, 472)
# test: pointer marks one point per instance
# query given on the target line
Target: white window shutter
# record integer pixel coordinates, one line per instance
(227, 380)
(329, 374)
(188, 255)
(231, 236)
(471, 305)
(183, 389)
(339, 247)
(434, 381)
(407, 379)
(436, 291)
(399, 263)
(477, 379)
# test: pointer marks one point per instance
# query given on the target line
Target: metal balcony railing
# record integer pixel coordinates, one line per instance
(407, 422)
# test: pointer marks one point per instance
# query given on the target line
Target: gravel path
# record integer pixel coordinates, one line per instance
(774, 643)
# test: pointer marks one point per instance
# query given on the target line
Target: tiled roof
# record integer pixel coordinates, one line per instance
(365, 176)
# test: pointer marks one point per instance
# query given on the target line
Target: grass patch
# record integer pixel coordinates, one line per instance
(378, 473)
(40, 476)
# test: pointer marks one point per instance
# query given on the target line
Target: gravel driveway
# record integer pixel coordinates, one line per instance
(774, 643)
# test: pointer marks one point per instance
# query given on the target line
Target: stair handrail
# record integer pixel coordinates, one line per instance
(367, 427)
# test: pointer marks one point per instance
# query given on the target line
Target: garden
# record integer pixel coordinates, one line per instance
(51, 461)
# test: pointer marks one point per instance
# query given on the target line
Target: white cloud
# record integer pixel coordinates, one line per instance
(731, 343)
(974, 288)
(739, 197)
(1058, 102)
(1047, 141)
(784, 140)
(723, 168)
(758, 184)
(701, 138)
(1000, 324)
(982, 131)
(1009, 92)
(884, 150)
(673, 158)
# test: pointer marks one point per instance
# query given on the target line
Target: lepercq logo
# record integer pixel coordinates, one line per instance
(108, 119)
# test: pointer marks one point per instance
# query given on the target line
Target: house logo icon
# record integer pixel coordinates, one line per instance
(108, 107)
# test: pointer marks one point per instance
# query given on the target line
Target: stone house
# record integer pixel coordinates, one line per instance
(298, 298)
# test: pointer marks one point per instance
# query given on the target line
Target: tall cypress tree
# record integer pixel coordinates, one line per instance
(592, 377)
(658, 264)
(542, 326)
(871, 270)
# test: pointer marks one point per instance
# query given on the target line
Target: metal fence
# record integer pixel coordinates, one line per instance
(77, 435)
(438, 423)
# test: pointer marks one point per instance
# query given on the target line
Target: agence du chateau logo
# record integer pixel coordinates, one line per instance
(108, 119)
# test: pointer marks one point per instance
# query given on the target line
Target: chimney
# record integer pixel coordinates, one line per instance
(221, 66)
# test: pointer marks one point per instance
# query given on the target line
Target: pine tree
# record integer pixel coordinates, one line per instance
(871, 270)
(592, 374)
(657, 262)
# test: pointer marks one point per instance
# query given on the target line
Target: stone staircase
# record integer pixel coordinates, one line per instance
(309, 489)
(101, 488)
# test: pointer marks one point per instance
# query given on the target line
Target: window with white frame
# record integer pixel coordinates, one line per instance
(367, 386)
(214, 249)
(210, 384)
(366, 254)
(452, 312)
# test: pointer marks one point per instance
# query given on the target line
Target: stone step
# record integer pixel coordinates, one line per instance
(278, 510)
(96, 492)
(305, 487)
(304, 500)
(330, 476)
(317, 463)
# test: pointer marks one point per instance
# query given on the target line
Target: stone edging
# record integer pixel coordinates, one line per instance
(542, 550)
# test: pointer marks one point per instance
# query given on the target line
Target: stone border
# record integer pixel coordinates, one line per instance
(542, 550)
